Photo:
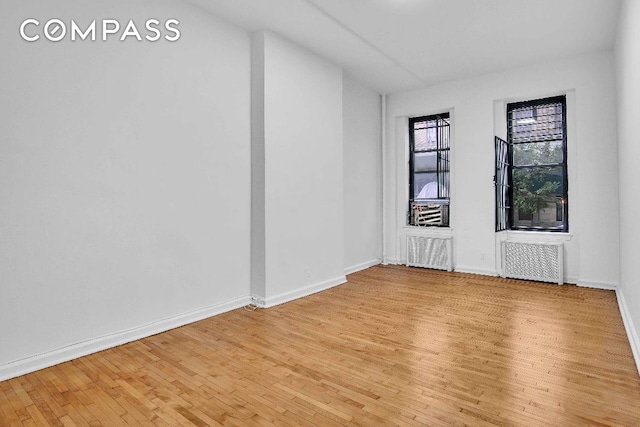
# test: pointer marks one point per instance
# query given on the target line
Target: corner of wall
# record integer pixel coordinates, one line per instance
(632, 334)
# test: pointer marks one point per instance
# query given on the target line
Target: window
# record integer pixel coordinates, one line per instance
(531, 167)
(429, 170)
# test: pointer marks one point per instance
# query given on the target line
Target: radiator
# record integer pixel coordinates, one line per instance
(533, 261)
(429, 252)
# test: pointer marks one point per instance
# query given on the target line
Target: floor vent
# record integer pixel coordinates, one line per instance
(429, 252)
(533, 261)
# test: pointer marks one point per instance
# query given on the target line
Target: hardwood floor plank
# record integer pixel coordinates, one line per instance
(393, 346)
(67, 421)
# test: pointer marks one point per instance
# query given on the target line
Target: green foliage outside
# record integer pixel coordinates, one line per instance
(535, 188)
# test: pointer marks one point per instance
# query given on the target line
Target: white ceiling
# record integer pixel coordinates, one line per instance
(395, 45)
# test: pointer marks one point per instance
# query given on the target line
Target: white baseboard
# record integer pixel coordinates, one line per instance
(361, 266)
(84, 348)
(597, 285)
(303, 292)
(572, 280)
(632, 334)
(456, 268)
(471, 270)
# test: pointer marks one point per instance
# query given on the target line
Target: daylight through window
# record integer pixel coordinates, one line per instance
(429, 139)
(531, 167)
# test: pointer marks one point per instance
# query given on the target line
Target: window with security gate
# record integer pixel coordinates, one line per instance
(429, 170)
(531, 167)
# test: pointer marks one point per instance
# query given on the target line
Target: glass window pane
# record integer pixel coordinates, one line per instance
(432, 186)
(538, 197)
(425, 136)
(428, 184)
(425, 162)
(537, 123)
(431, 134)
(538, 153)
(421, 184)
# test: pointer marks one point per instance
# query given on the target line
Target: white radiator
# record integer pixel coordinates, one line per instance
(429, 252)
(533, 261)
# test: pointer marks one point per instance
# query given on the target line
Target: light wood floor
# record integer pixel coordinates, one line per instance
(394, 346)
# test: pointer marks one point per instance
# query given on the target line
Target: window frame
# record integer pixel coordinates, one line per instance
(446, 201)
(562, 100)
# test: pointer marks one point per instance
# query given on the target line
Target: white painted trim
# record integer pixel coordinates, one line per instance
(303, 292)
(471, 270)
(536, 236)
(383, 157)
(84, 348)
(573, 280)
(597, 285)
(632, 334)
(361, 266)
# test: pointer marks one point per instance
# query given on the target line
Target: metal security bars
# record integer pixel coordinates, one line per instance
(429, 145)
(501, 181)
(537, 167)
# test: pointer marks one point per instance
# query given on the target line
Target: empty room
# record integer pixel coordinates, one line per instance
(319, 213)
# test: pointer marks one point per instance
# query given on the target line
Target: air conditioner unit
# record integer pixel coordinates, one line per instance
(429, 214)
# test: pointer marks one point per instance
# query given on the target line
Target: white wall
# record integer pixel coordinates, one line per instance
(124, 179)
(303, 183)
(362, 176)
(258, 225)
(592, 245)
(628, 89)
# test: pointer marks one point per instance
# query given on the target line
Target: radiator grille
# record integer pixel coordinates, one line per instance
(429, 252)
(533, 261)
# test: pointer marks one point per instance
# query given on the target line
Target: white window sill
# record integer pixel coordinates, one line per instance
(535, 236)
